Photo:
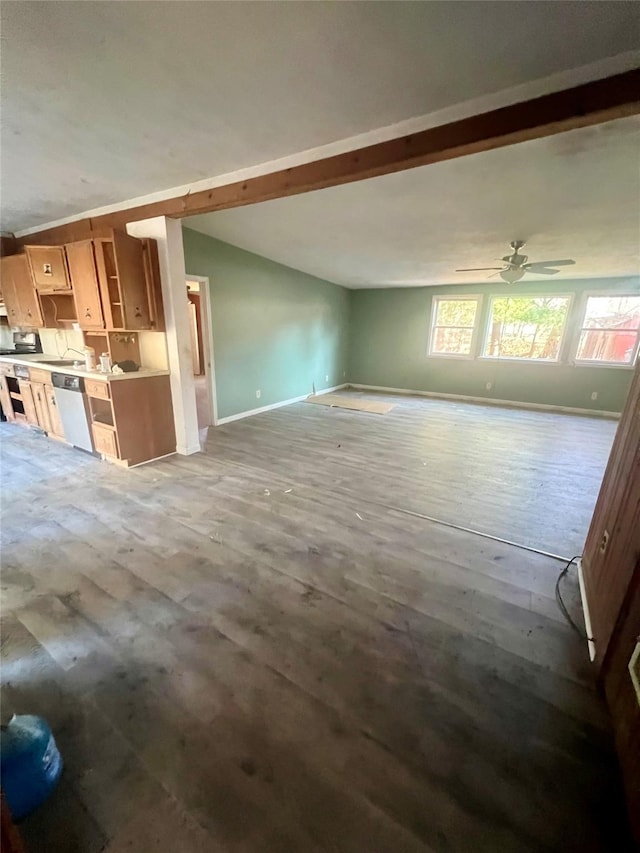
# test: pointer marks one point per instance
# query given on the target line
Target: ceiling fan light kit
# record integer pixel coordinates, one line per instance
(515, 266)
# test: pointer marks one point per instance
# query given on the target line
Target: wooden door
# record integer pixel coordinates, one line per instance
(130, 265)
(613, 545)
(54, 415)
(26, 392)
(84, 279)
(48, 267)
(5, 399)
(42, 407)
(21, 299)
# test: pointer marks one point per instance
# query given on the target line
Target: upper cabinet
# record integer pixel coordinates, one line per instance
(122, 275)
(21, 300)
(48, 267)
(84, 283)
(110, 283)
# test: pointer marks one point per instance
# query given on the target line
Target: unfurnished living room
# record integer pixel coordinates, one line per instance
(320, 440)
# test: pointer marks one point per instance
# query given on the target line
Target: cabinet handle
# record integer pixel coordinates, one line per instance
(87, 314)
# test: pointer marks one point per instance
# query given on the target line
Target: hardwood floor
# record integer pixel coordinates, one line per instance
(246, 650)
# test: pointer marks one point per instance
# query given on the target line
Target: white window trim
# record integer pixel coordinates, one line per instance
(471, 297)
(514, 358)
(586, 362)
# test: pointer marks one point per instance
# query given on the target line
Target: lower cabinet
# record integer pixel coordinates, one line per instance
(41, 405)
(5, 399)
(57, 429)
(28, 402)
(104, 439)
(31, 401)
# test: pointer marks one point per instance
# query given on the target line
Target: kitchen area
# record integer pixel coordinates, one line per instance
(82, 347)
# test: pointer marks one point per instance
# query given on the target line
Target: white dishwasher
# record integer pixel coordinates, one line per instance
(73, 408)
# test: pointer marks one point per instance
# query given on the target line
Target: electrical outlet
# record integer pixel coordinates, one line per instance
(344, 373)
(489, 386)
(258, 393)
(604, 542)
(594, 395)
(326, 378)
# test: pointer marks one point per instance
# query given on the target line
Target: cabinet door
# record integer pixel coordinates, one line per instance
(5, 399)
(21, 299)
(48, 267)
(26, 392)
(132, 278)
(54, 415)
(84, 280)
(104, 440)
(42, 407)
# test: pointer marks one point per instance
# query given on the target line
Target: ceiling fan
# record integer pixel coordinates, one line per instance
(515, 265)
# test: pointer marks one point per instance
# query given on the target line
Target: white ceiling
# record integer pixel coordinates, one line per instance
(104, 102)
(575, 195)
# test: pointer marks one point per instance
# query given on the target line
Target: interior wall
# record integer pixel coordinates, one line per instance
(389, 335)
(275, 329)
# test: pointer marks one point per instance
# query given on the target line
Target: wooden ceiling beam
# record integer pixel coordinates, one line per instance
(588, 104)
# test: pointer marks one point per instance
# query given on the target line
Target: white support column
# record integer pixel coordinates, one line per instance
(168, 233)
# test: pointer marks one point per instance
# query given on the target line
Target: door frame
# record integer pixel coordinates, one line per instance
(207, 343)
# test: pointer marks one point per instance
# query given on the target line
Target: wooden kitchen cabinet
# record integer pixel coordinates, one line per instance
(56, 428)
(5, 399)
(28, 402)
(41, 406)
(104, 439)
(48, 267)
(132, 420)
(21, 299)
(122, 277)
(84, 281)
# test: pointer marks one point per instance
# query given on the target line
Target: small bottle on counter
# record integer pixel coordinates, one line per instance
(105, 363)
(89, 358)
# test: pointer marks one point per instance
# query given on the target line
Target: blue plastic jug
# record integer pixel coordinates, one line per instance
(30, 763)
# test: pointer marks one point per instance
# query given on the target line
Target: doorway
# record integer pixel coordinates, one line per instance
(202, 349)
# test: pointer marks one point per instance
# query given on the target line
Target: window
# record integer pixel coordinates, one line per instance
(526, 327)
(453, 325)
(610, 330)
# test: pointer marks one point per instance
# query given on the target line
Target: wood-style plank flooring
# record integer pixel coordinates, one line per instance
(246, 650)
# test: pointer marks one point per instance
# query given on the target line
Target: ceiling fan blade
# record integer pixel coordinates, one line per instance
(494, 274)
(480, 269)
(542, 271)
(565, 262)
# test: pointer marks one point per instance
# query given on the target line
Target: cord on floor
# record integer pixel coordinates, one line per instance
(582, 634)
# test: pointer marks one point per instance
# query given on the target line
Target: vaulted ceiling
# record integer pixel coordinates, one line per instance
(575, 195)
(103, 102)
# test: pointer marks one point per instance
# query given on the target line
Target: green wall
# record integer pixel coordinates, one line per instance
(274, 328)
(389, 333)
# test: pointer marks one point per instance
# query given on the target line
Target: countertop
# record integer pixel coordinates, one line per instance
(41, 360)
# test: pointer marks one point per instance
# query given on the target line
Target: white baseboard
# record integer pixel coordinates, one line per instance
(487, 401)
(271, 406)
(587, 614)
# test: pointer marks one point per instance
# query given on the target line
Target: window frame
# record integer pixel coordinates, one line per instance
(448, 297)
(580, 328)
(520, 359)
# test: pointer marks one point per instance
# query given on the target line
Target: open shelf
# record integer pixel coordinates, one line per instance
(101, 412)
(57, 309)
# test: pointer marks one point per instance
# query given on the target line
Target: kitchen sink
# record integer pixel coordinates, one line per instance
(59, 362)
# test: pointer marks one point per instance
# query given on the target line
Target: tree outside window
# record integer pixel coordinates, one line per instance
(454, 322)
(526, 327)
